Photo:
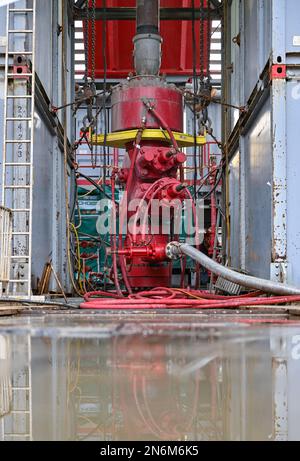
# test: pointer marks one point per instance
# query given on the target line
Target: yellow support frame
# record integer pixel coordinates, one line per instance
(121, 138)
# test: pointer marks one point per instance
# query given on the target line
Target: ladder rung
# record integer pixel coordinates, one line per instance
(21, 388)
(20, 210)
(16, 412)
(18, 281)
(18, 119)
(17, 187)
(20, 233)
(21, 10)
(25, 53)
(18, 141)
(20, 257)
(18, 164)
(22, 96)
(20, 31)
(19, 75)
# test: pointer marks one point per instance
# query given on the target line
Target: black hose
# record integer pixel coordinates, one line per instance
(100, 189)
(213, 189)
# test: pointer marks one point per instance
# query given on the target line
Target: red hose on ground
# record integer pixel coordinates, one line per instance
(167, 299)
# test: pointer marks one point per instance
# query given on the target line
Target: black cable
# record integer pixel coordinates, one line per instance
(218, 5)
(75, 201)
(94, 184)
(77, 102)
(203, 179)
(92, 432)
(218, 180)
(95, 240)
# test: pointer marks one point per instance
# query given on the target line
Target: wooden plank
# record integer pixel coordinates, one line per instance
(9, 310)
(294, 310)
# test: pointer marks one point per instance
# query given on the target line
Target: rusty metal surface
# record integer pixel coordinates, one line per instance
(266, 214)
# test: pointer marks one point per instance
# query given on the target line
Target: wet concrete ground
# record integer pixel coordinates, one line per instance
(149, 376)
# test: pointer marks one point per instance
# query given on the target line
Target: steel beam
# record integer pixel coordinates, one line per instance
(279, 141)
(166, 14)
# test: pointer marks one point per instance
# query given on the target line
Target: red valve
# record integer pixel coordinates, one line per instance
(155, 252)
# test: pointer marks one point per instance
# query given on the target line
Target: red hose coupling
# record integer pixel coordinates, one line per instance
(167, 156)
(123, 175)
(175, 191)
(180, 158)
(155, 252)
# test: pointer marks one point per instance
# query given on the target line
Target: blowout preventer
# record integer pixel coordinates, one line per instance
(147, 120)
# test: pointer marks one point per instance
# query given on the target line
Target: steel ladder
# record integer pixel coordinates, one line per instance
(16, 425)
(17, 179)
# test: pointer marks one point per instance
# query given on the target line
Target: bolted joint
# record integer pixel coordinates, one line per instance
(170, 154)
(180, 158)
(173, 251)
(181, 187)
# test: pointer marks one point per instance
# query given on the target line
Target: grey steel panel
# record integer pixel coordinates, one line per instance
(235, 210)
(293, 177)
(44, 39)
(258, 153)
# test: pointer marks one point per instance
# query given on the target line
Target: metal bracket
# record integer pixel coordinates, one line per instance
(278, 71)
(280, 272)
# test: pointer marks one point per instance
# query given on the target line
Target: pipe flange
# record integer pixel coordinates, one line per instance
(173, 251)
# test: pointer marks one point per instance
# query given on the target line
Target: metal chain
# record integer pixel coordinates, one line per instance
(93, 39)
(104, 32)
(209, 27)
(205, 76)
(202, 38)
(94, 126)
(195, 84)
(86, 41)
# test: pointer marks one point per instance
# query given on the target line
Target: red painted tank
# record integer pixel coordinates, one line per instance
(128, 108)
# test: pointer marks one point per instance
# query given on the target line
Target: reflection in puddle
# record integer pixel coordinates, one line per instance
(163, 382)
(5, 376)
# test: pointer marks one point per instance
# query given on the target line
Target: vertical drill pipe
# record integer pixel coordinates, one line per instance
(147, 42)
(147, 17)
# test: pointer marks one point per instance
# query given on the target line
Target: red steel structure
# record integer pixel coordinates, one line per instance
(177, 38)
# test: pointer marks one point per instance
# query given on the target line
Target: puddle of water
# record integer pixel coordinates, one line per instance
(164, 377)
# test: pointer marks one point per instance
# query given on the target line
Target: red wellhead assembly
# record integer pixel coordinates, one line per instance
(148, 103)
(149, 112)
